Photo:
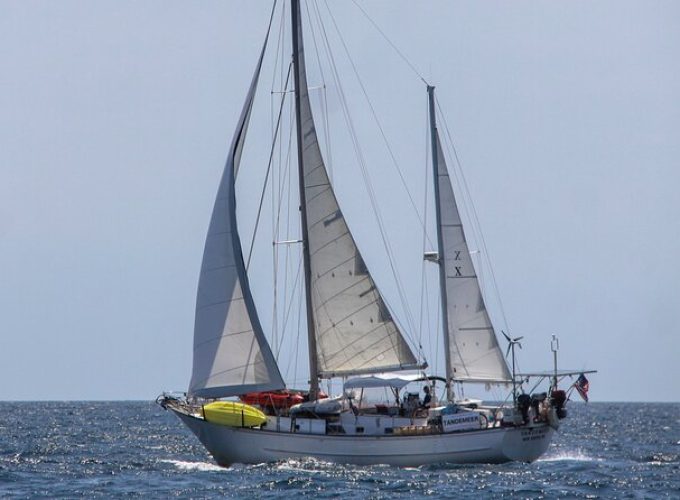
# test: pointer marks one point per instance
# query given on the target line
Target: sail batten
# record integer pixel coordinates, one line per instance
(471, 347)
(353, 330)
(231, 353)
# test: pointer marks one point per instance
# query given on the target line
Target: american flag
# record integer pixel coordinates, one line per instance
(582, 385)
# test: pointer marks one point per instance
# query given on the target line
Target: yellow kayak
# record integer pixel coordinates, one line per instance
(233, 414)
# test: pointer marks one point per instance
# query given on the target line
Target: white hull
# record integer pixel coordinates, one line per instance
(230, 445)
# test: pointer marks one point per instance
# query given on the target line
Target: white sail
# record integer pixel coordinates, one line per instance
(474, 352)
(231, 353)
(354, 330)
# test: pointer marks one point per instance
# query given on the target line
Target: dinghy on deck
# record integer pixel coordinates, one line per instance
(233, 414)
(273, 399)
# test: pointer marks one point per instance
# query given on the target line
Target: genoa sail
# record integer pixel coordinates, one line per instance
(353, 327)
(474, 354)
(231, 353)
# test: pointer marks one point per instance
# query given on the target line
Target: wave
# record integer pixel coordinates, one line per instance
(573, 456)
(196, 466)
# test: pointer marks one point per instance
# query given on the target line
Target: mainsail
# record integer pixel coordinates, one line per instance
(353, 328)
(231, 353)
(474, 353)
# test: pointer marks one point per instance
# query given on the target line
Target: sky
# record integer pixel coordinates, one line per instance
(115, 121)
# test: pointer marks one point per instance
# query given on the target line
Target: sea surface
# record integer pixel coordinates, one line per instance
(136, 449)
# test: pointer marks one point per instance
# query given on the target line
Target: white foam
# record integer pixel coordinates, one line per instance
(310, 464)
(197, 466)
(573, 456)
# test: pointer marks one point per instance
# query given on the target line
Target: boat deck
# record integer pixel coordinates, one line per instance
(375, 421)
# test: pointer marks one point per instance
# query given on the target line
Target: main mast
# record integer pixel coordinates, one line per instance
(311, 337)
(440, 245)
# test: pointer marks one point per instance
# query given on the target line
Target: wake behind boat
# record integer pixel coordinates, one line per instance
(351, 335)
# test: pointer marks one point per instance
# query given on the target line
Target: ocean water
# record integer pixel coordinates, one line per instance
(135, 449)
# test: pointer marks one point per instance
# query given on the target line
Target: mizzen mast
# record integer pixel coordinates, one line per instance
(440, 244)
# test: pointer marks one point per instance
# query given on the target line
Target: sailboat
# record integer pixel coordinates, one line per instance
(351, 334)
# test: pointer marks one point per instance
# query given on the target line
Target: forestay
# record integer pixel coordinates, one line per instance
(474, 351)
(354, 329)
(231, 353)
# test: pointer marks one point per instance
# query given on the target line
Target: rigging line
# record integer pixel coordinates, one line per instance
(282, 56)
(284, 181)
(316, 47)
(290, 305)
(378, 123)
(323, 95)
(327, 132)
(387, 39)
(278, 56)
(432, 354)
(364, 171)
(286, 176)
(279, 41)
(275, 268)
(297, 340)
(323, 86)
(289, 308)
(266, 179)
(279, 173)
(276, 216)
(438, 345)
(288, 172)
(476, 218)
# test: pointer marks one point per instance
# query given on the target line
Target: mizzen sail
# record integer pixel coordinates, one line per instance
(231, 353)
(353, 328)
(474, 353)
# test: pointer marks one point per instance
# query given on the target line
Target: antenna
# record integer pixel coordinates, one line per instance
(511, 347)
(554, 347)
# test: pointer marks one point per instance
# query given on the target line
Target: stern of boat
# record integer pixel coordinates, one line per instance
(527, 444)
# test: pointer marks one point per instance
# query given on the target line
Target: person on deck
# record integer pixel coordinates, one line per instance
(427, 400)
